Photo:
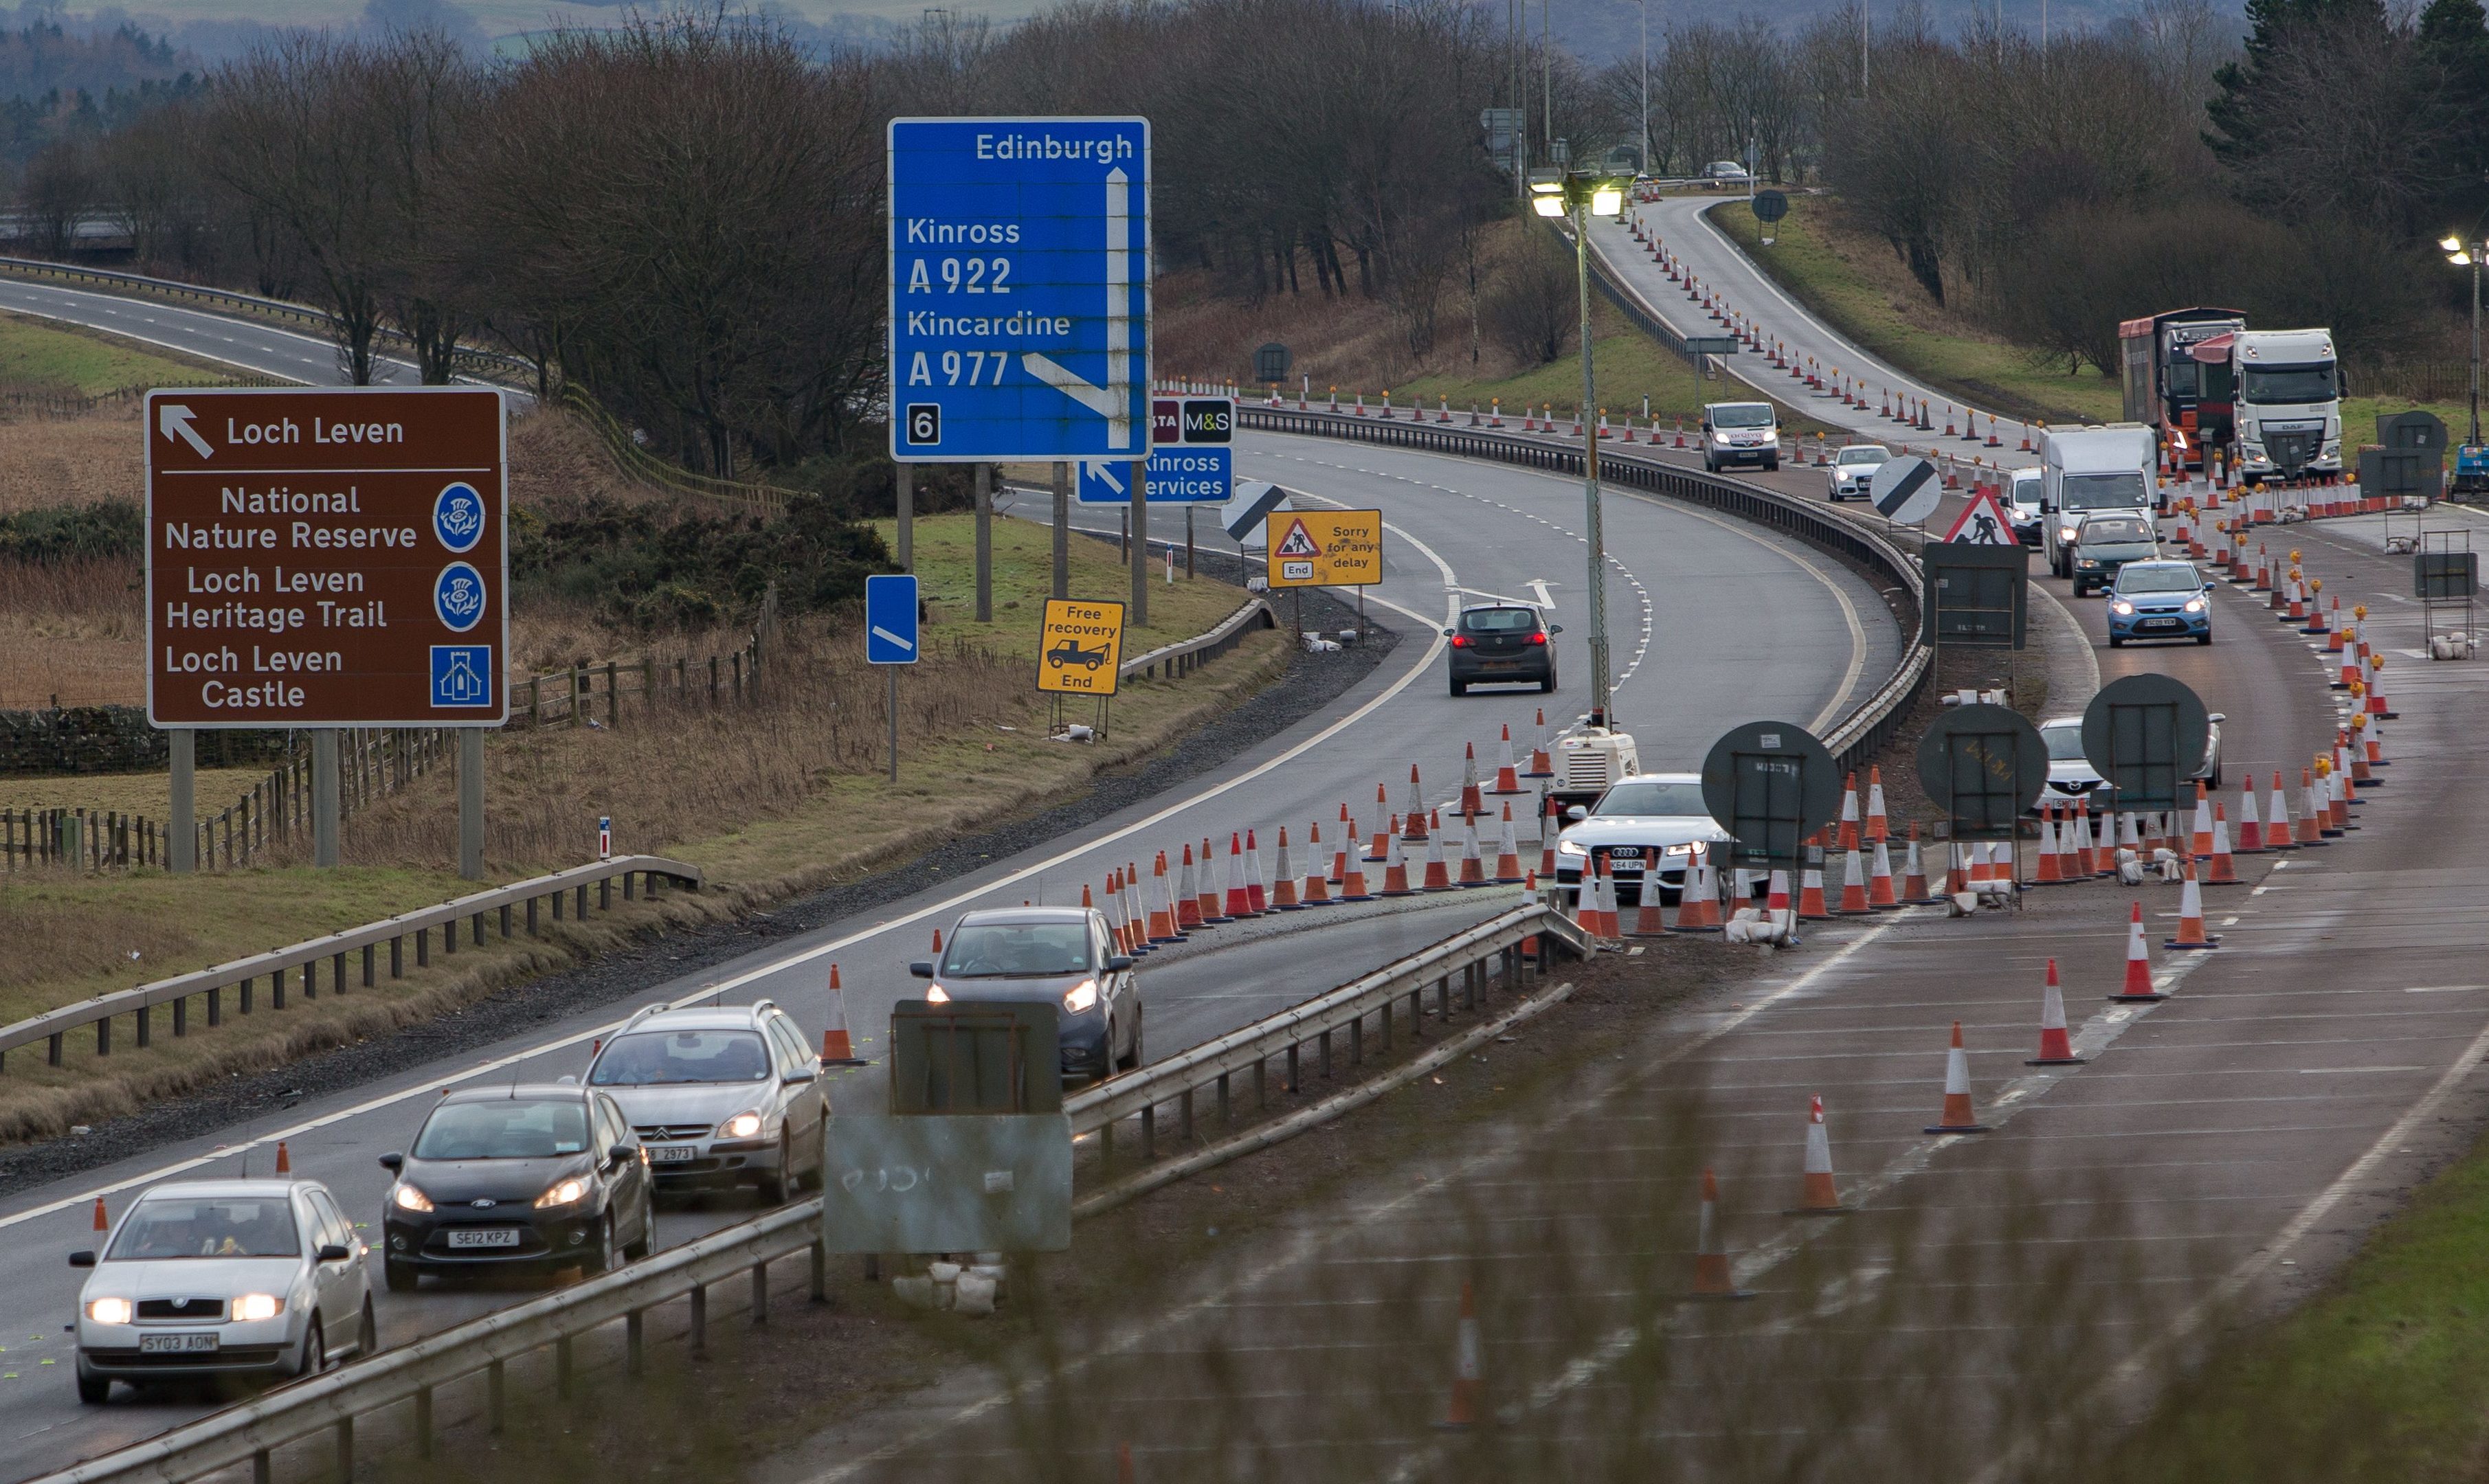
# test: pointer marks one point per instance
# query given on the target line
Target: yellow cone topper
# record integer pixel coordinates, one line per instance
(1326, 548)
(1080, 647)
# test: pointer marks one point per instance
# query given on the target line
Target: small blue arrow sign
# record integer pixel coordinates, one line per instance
(1178, 476)
(889, 636)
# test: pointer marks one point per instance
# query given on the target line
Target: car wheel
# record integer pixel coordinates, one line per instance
(400, 1277)
(2203, 639)
(2116, 643)
(1771, 465)
(1134, 1055)
(367, 1340)
(608, 1255)
(1460, 687)
(315, 1352)
(93, 1390)
(1546, 686)
(775, 1185)
(647, 1239)
(818, 1175)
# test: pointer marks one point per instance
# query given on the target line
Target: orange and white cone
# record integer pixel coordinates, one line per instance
(1711, 1276)
(2315, 818)
(1818, 1196)
(1240, 897)
(1810, 896)
(1283, 878)
(1507, 774)
(1849, 840)
(284, 1158)
(1776, 901)
(2201, 845)
(838, 1047)
(1879, 886)
(1472, 804)
(103, 1223)
(1507, 851)
(1257, 888)
(1188, 896)
(1414, 819)
(1550, 825)
(1395, 870)
(1914, 874)
(2051, 873)
(1347, 843)
(1162, 914)
(1317, 889)
(2279, 832)
(2056, 1047)
(1648, 922)
(1375, 852)
(1439, 872)
(1878, 828)
(2250, 832)
(1542, 763)
(2191, 913)
(1958, 1115)
(2137, 988)
(1462, 1414)
(1853, 884)
(1352, 880)
(1698, 900)
(1134, 911)
(2224, 871)
(1473, 862)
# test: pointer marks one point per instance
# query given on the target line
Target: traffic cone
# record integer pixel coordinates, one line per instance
(1647, 921)
(1810, 896)
(2201, 847)
(1439, 876)
(1414, 826)
(1849, 814)
(2191, 913)
(1776, 898)
(1257, 889)
(2069, 857)
(1853, 885)
(1162, 913)
(1382, 811)
(1698, 900)
(1711, 1276)
(1239, 896)
(2251, 833)
(1352, 879)
(1958, 1115)
(1395, 870)
(1473, 867)
(1507, 851)
(1188, 896)
(1210, 915)
(1914, 875)
(1461, 1414)
(1542, 763)
(1879, 886)
(2314, 820)
(1878, 828)
(2223, 872)
(2138, 965)
(838, 1049)
(1507, 774)
(938, 945)
(2279, 833)
(1611, 924)
(1550, 825)
(1283, 878)
(102, 1222)
(1472, 804)
(1135, 910)
(2056, 1049)
(1317, 888)
(1818, 1195)
(2051, 873)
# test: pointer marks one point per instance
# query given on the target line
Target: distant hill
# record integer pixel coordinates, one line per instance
(1610, 29)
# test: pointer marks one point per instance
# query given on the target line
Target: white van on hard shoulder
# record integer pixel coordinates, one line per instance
(1740, 433)
(2092, 471)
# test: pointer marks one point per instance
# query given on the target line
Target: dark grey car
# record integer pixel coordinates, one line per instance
(1058, 954)
(1499, 643)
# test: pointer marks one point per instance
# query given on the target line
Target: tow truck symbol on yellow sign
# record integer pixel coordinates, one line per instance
(1080, 647)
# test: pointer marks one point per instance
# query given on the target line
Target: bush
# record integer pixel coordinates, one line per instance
(660, 567)
(112, 528)
(1534, 309)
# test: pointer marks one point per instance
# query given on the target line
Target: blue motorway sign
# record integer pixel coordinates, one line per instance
(890, 619)
(1019, 289)
(1178, 476)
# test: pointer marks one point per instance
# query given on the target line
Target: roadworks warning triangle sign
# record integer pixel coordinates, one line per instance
(1299, 542)
(1983, 523)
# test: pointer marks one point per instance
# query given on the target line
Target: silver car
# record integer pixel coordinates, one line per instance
(223, 1278)
(1646, 828)
(1854, 469)
(2072, 776)
(720, 1096)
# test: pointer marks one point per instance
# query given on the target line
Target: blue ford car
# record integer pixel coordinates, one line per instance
(2159, 600)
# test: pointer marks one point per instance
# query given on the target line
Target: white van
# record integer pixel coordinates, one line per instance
(1740, 433)
(2083, 470)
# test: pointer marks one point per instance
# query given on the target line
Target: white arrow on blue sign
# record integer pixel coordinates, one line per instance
(1178, 476)
(890, 635)
(1019, 289)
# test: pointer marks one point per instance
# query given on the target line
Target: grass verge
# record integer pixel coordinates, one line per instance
(45, 353)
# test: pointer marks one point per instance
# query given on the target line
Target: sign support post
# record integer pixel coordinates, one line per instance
(904, 501)
(890, 637)
(894, 722)
(1062, 528)
(1598, 574)
(324, 797)
(1140, 615)
(471, 803)
(182, 832)
(984, 542)
(1188, 540)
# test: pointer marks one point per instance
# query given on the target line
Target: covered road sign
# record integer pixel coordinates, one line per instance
(1326, 549)
(1770, 784)
(1080, 647)
(1019, 288)
(326, 557)
(1984, 765)
(2146, 736)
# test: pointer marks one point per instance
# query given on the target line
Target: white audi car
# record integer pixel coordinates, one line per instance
(1854, 469)
(1646, 828)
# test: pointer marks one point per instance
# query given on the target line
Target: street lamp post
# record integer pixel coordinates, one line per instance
(2464, 254)
(1583, 196)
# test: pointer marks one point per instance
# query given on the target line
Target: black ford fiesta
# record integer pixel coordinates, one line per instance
(543, 1176)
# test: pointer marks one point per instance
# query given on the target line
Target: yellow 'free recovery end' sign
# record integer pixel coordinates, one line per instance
(1326, 548)
(1080, 647)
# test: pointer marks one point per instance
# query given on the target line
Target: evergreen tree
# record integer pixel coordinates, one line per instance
(2455, 42)
(2237, 137)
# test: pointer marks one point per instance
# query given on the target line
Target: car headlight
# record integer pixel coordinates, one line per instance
(1722, 438)
(252, 1308)
(1571, 847)
(2065, 533)
(407, 1198)
(1685, 849)
(1080, 996)
(569, 1192)
(2194, 604)
(938, 996)
(110, 1311)
(2086, 561)
(742, 1126)
(2121, 608)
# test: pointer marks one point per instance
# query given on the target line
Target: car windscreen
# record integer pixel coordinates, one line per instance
(2121, 490)
(2097, 532)
(1742, 414)
(1499, 620)
(504, 1128)
(208, 1226)
(1018, 951)
(2158, 579)
(1867, 456)
(2288, 385)
(1651, 796)
(2064, 743)
(2025, 490)
(656, 1058)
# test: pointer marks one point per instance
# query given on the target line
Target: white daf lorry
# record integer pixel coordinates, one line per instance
(2288, 394)
(2085, 472)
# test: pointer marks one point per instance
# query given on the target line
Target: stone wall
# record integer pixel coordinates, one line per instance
(116, 739)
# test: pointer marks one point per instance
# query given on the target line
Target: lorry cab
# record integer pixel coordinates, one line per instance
(2288, 410)
(2089, 471)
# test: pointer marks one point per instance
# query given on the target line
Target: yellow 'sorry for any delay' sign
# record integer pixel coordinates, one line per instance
(1326, 548)
(1080, 647)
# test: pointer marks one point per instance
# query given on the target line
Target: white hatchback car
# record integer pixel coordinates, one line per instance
(223, 1278)
(1854, 469)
